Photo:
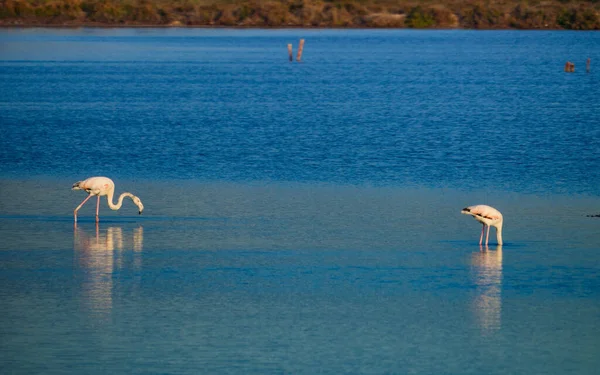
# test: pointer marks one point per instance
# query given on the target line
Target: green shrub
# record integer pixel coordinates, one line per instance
(419, 18)
(578, 19)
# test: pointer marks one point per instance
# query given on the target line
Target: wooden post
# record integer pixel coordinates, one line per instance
(587, 65)
(290, 52)
(569, 67)
(300, 48)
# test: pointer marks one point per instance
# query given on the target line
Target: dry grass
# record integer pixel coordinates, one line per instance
(477, 14)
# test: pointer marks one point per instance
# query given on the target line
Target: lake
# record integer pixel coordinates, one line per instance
(300, 217)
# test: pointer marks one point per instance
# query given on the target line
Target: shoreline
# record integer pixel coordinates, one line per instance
(328, 14)
(158, 26)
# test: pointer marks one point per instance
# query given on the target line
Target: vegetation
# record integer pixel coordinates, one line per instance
(472, 14)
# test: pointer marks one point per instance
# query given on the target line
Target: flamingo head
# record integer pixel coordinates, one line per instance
(138, 203)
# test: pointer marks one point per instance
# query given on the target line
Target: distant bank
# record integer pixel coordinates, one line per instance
(469, 14)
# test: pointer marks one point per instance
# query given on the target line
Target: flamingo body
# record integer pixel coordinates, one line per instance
(487, 216)
(103, 186)
(95, 185)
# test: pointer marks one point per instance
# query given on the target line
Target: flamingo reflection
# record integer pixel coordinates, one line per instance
(487, 274)
(99, 254)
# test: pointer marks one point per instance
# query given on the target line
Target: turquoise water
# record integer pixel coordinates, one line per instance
(300, 217)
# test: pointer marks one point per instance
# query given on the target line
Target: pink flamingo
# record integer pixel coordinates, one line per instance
(486, 215)
(100, 186)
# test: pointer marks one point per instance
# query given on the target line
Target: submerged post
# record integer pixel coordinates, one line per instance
(290, 52)
(300, 48)
(587, 65)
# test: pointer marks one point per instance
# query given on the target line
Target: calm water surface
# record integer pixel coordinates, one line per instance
(300, 217)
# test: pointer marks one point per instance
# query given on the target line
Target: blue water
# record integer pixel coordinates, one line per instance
(446, 108)
(300, 217)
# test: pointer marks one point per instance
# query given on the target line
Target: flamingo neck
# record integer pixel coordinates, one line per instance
(499, 233)
(113, 206)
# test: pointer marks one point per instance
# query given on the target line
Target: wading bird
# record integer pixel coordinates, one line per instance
(486, 215)
(100, 186)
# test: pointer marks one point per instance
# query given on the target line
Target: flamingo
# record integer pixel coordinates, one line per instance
(486, 215)
(100, 186)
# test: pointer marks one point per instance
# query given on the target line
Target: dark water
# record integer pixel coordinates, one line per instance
(300, 217)
(447, 108)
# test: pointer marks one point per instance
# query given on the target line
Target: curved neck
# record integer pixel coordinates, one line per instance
(499, 233)
(113, 206)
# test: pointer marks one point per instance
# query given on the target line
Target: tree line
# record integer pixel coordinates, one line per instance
(467, 14)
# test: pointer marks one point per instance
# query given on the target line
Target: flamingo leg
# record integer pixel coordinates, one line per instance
(481, 237)
(97, 208)
(78, 207)
(487, 237)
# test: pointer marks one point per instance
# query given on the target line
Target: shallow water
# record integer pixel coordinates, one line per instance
(300, 218)
(297, 278)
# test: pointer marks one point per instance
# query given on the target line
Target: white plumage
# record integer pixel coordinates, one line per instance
(99, 186)
(488, 216)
